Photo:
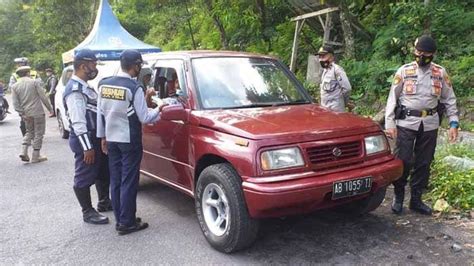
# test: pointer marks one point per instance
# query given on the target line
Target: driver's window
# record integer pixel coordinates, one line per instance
(169, 79)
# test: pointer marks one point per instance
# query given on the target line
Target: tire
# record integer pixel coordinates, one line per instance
(62, 131)
(365, 205)
(221, 185)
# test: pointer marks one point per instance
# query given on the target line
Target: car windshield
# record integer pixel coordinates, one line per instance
(236, 82)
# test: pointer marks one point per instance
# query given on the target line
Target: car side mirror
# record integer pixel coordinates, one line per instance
(174, 112)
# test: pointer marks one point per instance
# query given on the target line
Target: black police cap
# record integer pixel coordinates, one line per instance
(426, 44)
(85, 55)
(131, 57)
(326, 49)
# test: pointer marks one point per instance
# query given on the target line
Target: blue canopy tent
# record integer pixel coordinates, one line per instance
(108, 38)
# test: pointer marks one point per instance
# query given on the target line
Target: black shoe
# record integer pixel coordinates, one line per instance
(397, 204)
(419, 207)
(137, 220)
(93, 217)
(104, 206)
(416, 204)
(397, 207)
(123, 230)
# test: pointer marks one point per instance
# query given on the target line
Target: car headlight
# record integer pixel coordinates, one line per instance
(375, 144)
(282, 158)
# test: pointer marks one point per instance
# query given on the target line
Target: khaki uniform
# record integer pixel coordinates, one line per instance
(28, 97)
(335, 88)
(420, 89)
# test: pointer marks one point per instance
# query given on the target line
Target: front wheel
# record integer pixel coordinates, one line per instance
(365, 205)
(222, 211)
(62, 131)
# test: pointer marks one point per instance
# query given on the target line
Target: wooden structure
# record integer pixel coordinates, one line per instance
(326, 24)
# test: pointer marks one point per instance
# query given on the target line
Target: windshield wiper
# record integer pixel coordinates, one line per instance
(253, 105)
(292, 103)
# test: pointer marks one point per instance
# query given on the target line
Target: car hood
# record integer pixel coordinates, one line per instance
(280, 121)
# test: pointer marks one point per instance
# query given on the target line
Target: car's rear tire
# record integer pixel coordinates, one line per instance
(222, 211)
(365, 205)
(62, 131)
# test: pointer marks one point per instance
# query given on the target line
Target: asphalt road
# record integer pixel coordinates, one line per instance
(41, 223)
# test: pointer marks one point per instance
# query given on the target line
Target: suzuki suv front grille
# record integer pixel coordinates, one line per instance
(338, 154)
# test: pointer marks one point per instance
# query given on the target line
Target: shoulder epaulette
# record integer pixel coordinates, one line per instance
(76, 86)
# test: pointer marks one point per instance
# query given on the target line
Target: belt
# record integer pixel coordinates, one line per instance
(420, 113)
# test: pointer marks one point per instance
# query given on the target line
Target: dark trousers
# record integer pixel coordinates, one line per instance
(124, 165)
(422, 146)
(85, 175)
(51, 99)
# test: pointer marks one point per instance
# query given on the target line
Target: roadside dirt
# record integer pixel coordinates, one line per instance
(380, 237)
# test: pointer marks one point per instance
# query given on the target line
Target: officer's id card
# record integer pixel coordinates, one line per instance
(113, 93)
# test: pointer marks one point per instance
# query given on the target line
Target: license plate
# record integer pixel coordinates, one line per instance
(352, 187)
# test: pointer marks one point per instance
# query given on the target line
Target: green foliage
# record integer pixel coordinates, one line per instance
(395, 26)
(41, 30)
(456, 187)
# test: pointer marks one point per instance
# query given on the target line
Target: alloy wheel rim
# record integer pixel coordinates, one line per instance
(60, 124)
(215, 209)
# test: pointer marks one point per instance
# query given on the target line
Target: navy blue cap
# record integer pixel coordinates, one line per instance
(85, 55)
(131, 57)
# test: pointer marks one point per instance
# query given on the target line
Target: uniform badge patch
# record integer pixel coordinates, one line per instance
(448, 80)
(75, 86)
(436, 71)
(409, 87)
(113, 93)
(437, 85)
(436, 91)
(410, 71)
(397, 79)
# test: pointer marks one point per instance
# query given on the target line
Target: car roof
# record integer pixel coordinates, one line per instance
(201, 54)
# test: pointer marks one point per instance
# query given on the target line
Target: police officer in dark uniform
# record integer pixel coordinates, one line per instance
(50, 87)
(121, 112)
(91, 166)
(417, 93)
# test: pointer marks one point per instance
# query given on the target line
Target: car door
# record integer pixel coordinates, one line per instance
(166, 143)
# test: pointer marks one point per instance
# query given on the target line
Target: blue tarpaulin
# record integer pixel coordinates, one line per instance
(108, 38)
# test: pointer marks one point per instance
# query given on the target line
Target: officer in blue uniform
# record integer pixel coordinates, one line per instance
(120, 114)
(80, 102)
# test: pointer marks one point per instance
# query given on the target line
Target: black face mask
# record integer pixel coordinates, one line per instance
(91, 74)
(139, 70)
(423, 60)
(324, 64)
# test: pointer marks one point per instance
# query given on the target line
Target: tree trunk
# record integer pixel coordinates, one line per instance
(188, 20)
(349, 49)
(219, 25)
(260, 6)
(327, 28)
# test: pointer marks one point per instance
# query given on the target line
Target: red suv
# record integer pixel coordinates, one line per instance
(245, 140)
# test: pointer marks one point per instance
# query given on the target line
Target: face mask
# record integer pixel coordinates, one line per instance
(91, 74)
(423, 60)
(324, 64)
